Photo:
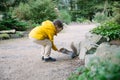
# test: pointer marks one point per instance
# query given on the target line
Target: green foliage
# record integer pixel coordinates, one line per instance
(116, 9)
(37, 11)
(6, 4)
(109, 29)
(98, 70)
(84, 9)
(20, 34)
(117, 18)
(100, 17)
(4, 36)
(22, 12)
(73, 77)
(88, 8)
(11, 23)
(65, 16)
(32, 24)
(81, 20)
(40, 10)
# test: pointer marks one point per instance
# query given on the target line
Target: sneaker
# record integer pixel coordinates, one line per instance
(42, 57)
(50, 59)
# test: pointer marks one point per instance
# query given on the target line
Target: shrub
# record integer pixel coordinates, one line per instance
(3, 27)
(116, 9)
(22, 11)
(4, 36)
(82, 19)
(100, 17)
(117, 18)
(9, 22)
(36, 10)
(98, 70)
(32, 24)
(65, 16)
(108, 29)
(18, 34)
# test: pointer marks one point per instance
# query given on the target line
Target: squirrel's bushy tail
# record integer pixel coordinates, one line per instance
(74, 49)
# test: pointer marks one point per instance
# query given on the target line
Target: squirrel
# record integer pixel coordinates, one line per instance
(72, 53)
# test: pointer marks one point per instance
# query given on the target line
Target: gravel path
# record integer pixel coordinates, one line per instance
(20, 59)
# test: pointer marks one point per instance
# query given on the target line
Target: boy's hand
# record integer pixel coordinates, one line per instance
(58, 50)
(62, 50)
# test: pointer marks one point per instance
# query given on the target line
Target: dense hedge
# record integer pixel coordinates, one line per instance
(108, 29)
(36, 10)
(9, 22)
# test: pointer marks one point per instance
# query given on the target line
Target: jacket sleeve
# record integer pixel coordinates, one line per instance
(51, 37)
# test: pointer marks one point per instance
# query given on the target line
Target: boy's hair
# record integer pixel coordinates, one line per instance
(58, 23)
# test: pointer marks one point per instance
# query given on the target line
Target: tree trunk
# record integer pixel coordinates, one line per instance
(8, 31)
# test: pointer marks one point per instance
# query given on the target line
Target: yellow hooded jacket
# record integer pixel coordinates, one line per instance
(46, 31)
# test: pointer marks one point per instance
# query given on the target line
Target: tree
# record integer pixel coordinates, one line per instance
(87, 8)
(6, 4)
(36, 10)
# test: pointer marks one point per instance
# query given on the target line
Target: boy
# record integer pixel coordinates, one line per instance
(44, 35)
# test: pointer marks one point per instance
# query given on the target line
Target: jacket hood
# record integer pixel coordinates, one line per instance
(49, 25)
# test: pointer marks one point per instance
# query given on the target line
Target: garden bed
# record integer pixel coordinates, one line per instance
(9, 34)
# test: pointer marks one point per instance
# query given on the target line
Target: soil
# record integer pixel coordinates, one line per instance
(115, 42)
(20, 59)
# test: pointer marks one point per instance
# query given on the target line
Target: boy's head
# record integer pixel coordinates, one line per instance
(59, 25)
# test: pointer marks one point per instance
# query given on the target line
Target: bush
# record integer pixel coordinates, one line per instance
(82, 19)
(98, 70)
(116, 9)
(4, 36)
(32, 24)
(108, 29)
(3, 27)
(117, 18)
(36, 10)
(100, 17)
(18, 34)
(9, 22)
(65, 16)
(22, 11)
